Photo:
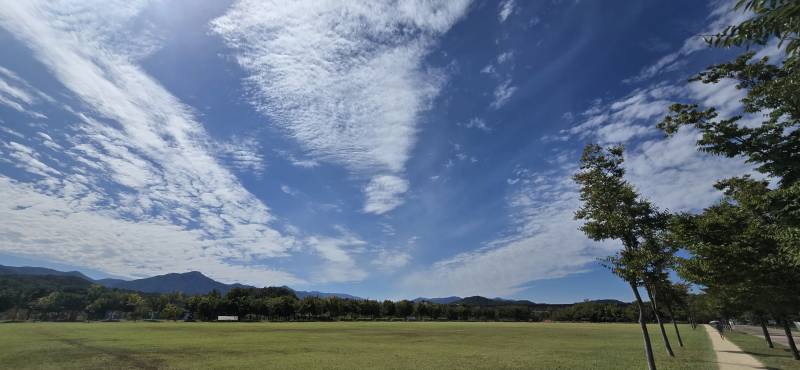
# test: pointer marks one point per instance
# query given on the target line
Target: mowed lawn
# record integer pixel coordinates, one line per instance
(778, 358)
(342, 345)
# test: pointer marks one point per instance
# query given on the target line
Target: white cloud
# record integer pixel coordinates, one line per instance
(505, 57)
(506, 9)
(27, 159)
(17, 94)
(630, 117)
(69, 230)
(721, 16)
(138, 158)
(337, 251)
(675, 175)
(344, 79)
(286, 189)
(544, 243)
(670, 171)
(384, 193)
(478, 123)
(242, 154)
(503, 93)
(391, 260)
(297, 162)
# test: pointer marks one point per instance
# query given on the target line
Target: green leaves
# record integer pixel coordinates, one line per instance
(612, 209)
(773, 19)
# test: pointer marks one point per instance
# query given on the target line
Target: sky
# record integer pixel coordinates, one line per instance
(386, 149)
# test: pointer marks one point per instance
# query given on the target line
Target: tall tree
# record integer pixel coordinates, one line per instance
(611, 209)
(658, 255)
(737, 258)
(772, 94)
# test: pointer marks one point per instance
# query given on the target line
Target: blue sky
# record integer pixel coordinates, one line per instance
(384, 149)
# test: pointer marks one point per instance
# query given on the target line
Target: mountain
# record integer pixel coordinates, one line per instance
(193, 282)
(443, 300)
(110, 283)
(39, 271)
(483, 301)
(302, 294)
(48, 282)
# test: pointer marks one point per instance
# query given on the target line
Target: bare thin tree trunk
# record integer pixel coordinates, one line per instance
(691, 316)
(648, 348)
(672, 318)
(766, 333)
(788, 330)
(660, 323)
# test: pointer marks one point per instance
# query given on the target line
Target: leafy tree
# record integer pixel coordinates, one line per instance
(136, 306)
(311, 307)
(371, 308)
(405, 308)
(387, 308)
(772, 92)
(770, 217)
(736, 257)
(658, 255)
(611, 209)
(334, 307)
(171, 312)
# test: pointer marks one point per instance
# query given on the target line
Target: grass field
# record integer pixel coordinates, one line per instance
(350, 345)
(779, 358)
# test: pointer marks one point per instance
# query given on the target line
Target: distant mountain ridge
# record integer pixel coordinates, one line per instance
(302, 294)
(442, 300)
(192, 283)
(39, 271)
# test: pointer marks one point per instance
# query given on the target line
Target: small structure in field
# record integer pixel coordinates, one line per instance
(227, 318)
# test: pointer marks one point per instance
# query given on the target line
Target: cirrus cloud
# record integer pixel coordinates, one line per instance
(344, 79)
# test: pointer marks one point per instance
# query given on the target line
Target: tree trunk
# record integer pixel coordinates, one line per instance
(672, 318)
(788, 330)
(648, 349)
(766, 333)
(660, 323)
(691, 316)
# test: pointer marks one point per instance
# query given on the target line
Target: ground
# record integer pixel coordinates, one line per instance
(777, 334)
(729, 355)
(342, 345)
(778, 358)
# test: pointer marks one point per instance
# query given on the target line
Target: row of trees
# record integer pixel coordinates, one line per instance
(55, 298)
(743, 251)
(252, 304)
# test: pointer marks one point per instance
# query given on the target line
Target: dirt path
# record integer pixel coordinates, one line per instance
(729, 355)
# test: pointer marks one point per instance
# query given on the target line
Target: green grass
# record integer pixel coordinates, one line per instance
(351, 345)
(779, 357)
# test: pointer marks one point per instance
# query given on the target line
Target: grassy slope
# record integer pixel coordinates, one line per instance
(341, 346)
(776, 358)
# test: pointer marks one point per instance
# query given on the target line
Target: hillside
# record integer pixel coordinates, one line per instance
(191, 283)
(39, 271)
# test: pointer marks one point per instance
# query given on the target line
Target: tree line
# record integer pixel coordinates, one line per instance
(743, 252)
(65, 298)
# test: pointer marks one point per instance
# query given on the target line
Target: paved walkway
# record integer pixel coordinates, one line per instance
(729, 355)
